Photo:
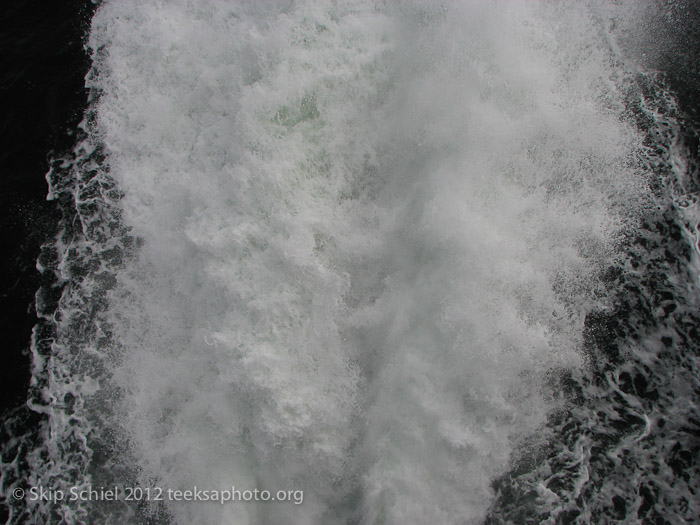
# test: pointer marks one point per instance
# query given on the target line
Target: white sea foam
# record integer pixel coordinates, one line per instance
(367, 234)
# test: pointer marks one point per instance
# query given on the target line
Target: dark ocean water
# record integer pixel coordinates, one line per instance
(624, 444)
(42, 100)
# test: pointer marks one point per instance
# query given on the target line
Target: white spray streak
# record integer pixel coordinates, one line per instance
(367, 234)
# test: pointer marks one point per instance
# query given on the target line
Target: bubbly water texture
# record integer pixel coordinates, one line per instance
(367, 234)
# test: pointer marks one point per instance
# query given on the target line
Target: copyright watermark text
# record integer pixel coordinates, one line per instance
(116, 493)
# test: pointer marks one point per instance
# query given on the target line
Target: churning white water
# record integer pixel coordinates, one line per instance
(367, 233)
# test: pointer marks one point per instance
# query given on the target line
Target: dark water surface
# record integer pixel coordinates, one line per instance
(42, 99)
